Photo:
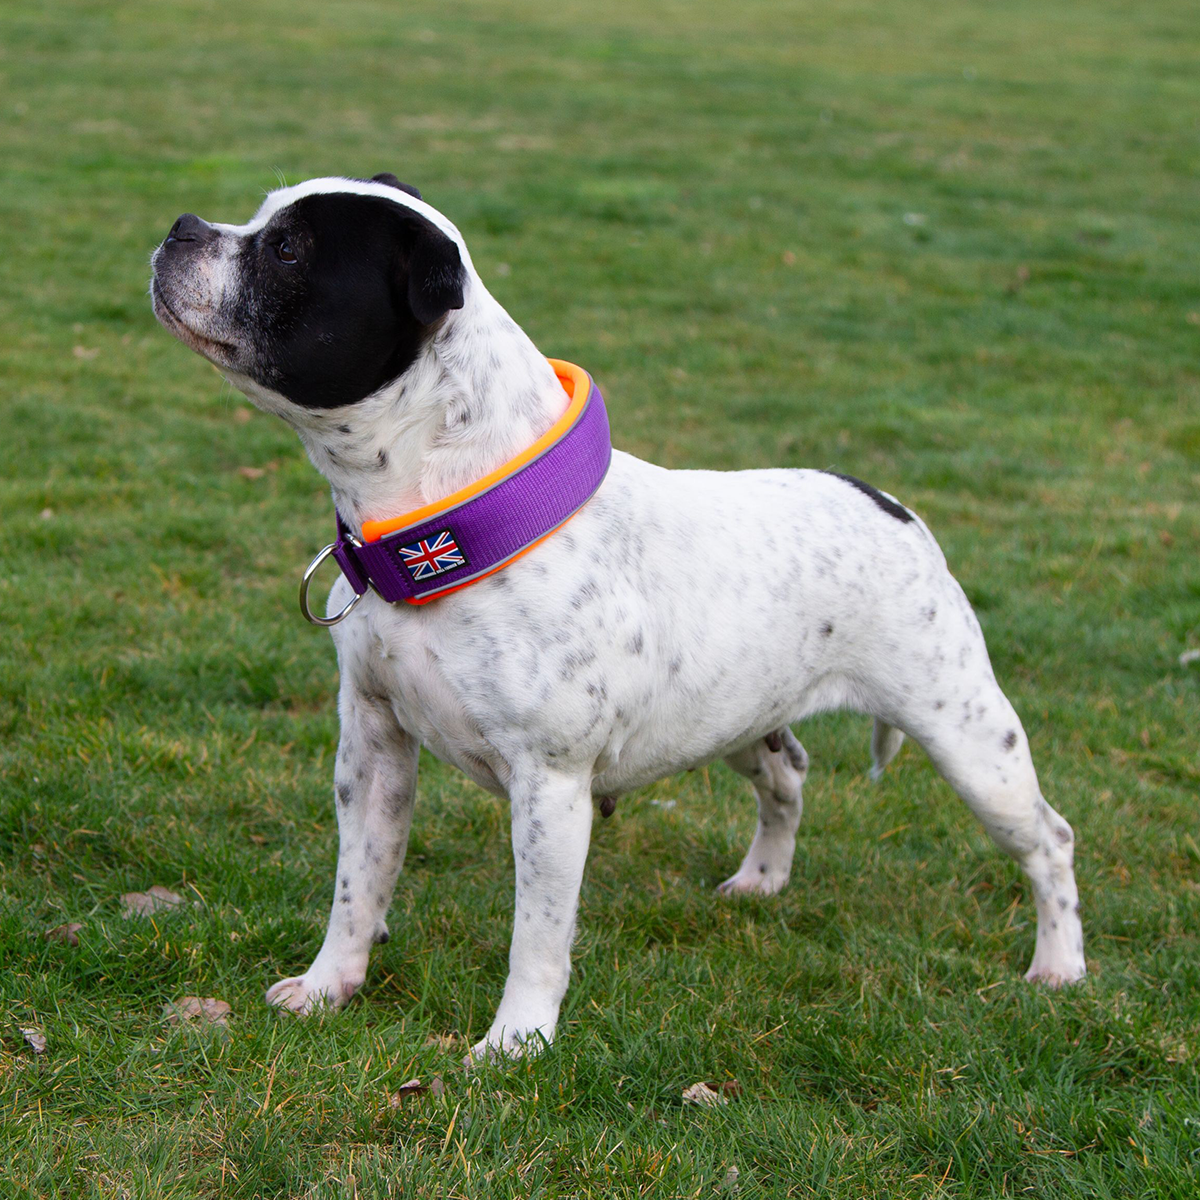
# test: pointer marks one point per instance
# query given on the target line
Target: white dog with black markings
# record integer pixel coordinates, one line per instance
(679, 617)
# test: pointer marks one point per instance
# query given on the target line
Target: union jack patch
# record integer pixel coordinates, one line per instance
(432, 556)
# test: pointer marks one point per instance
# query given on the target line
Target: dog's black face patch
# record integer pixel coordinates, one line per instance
(332, 299)
(338, 293)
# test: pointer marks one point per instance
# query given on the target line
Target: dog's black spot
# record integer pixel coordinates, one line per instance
(344, 793)
(1063, 903)
(1010, 739)
(826, 628)
(1063, 834)
(343, 429)
(883, 502)
(636, 644)
(381, 460)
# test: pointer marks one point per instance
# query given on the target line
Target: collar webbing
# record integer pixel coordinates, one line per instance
(481, 528)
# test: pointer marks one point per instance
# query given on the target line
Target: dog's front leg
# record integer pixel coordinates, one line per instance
(551, 827)
(375, 783)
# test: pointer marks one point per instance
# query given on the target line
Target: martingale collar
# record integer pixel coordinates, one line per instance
(441, 547)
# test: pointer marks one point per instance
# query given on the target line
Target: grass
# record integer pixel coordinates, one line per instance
(948, 247)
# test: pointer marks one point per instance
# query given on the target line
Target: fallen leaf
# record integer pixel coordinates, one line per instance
(35, 1040)
(85, 352)
(241, 415)
(444, 1041)
(414, 1087)
(1019, 280)
(64, 933)
(209, 1011)
(142, 904)
(709, 1095)
(251, 472)
(730, 1182)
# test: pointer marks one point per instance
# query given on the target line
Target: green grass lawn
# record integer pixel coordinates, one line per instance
(951, 248)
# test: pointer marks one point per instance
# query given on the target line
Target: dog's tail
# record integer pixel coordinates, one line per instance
(886, 740)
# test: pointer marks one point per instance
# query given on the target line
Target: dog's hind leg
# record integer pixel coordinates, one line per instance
(375, 783)
(886, 741)
(777, 766)
(978, 744)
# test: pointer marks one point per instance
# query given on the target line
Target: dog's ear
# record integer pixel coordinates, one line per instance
(435, 272)
(390, 180)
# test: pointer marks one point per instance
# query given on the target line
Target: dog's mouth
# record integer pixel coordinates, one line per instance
(223, 354)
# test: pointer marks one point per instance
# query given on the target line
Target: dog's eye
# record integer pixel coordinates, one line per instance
(285, 252)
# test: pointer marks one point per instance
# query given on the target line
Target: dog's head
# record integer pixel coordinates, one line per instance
(327, 295)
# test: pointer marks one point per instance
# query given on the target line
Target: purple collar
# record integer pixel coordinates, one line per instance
(478, 530)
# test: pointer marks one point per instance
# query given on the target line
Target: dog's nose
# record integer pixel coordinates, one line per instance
(190, 228)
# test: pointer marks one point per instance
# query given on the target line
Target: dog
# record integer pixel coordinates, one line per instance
(676, 618)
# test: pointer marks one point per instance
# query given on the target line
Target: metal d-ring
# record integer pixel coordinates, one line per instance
(307, 612)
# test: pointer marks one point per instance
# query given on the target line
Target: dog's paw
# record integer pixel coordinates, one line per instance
(508, 1046)
(1057, 975)
(762, 881)
(305, 994)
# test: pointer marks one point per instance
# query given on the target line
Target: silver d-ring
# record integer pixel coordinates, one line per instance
(313, 567)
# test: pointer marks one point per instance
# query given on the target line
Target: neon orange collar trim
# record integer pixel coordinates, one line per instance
(576, 382)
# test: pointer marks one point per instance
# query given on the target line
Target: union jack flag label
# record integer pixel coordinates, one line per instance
(432, 556)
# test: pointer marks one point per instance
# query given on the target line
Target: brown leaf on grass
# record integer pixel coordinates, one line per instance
(35, 1039)
(1018, 281)
(209, 1011)
(709, 1095)
(414, 1087)
(444, 1041)
(258, 472)
(142, 904)
(64, 933)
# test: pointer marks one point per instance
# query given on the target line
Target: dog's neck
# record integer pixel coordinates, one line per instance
(478, 393)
